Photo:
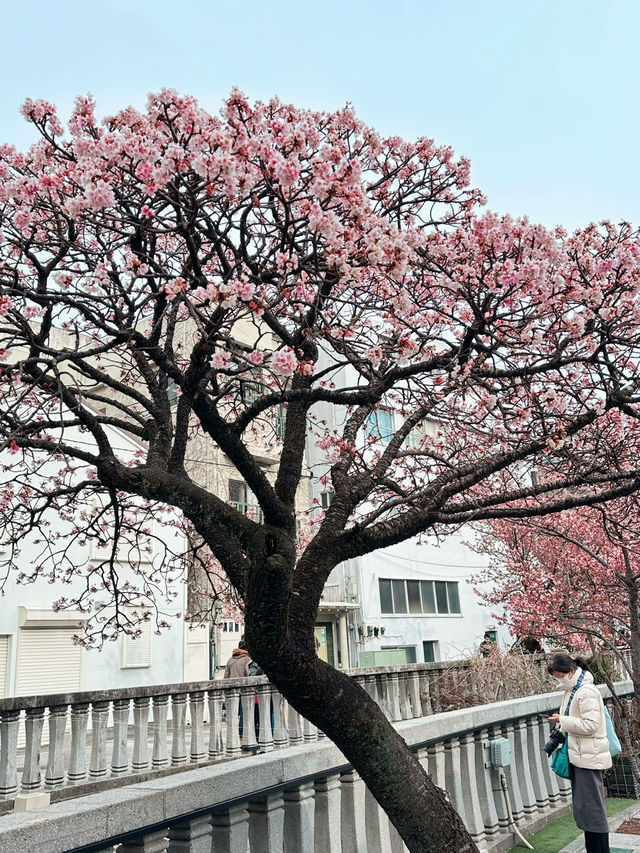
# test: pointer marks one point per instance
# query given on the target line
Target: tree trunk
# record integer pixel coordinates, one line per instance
(355, 723)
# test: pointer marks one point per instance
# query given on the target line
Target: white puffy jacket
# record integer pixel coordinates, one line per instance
(585, 724)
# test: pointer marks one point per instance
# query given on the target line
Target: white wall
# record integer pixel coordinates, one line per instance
(165, 662)
(457, 635)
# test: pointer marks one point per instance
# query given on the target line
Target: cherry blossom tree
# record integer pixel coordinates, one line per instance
(205, 284)
(572, 579)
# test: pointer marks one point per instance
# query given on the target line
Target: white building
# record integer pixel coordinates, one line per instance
(410, 603)
(37, 651)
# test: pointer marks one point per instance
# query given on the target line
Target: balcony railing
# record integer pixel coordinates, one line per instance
(251, 510)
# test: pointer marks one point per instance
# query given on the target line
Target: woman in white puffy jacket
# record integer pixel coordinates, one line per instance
(586, 728)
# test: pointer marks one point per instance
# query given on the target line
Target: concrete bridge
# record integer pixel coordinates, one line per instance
(158, 769)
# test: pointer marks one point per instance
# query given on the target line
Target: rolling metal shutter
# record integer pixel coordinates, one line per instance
(4, 664)
(48, 661)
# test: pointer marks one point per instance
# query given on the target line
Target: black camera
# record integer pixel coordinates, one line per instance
(556, 739)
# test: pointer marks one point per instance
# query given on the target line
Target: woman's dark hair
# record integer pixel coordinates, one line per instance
(562, 662)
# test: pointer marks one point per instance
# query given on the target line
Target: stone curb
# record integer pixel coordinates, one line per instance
(628, 842)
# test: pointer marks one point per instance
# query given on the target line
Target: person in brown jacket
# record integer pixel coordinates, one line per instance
(238, 664)
(238, 667)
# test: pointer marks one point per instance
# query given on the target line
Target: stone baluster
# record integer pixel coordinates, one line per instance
(565, 787)
(231, 830)
(140, 757)
(393, 696)
(549, 777)
(535, 763)
(231, 701)
(354, 829)
(266, 824)
(327, 823)
(413, 688)
(191, 837)
(384, 694)
(368, 683)
(248, 699)
(119, 753)
(179, 729)
(511, 772)
(523, 763)
(160, 754)
(484, 785)
(423, 757)
(397, 844)
(453, 776)
(9, 725)
(151, 842)
(197, 751)
(77, 772)
(54, 774)
(280, 733)
(31, 776)
(377, 823)
(98, 760)
(473, 812)
(435, 763)
(494, 776)
(425, 694)
(299, 818)
(295, 726)
(406, 711)
(309, 731)
(265, 734)
(216, 743)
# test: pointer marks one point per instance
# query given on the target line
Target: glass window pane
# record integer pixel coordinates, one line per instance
(399, 597)
(385, 425)
(454, 598)
(413, 592)
(441, 596)
(428, 598)
(386, 603)
(380, 425)
(410, 652)
(237, 491)
(429, 650)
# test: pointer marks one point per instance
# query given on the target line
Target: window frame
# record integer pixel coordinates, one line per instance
(449, 593)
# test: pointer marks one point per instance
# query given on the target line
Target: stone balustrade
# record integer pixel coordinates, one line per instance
(100, 737)
(307, 798)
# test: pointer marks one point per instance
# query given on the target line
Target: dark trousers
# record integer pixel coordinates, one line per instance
(596, 842)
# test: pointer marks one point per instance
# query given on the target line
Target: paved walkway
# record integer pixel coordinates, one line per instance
(619, 842)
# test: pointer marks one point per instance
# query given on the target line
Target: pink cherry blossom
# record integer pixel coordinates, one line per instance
(284, 362)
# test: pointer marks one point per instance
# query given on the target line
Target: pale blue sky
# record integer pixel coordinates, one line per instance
(542, 96)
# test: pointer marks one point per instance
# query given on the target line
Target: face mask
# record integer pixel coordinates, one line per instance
(562, 681)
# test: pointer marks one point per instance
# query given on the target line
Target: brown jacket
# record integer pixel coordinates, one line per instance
(238, 664)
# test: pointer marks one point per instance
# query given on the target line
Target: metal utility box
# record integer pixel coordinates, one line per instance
(500, 752)
(385, 657)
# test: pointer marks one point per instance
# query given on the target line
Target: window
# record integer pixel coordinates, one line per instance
(415, 437)
(172, 392)
(243, 499)
(136, 652)
(413, 440)
(325, 499)
(419, 597)
(380, 425)
(280, 421)
(430, 650)
(251, 387)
